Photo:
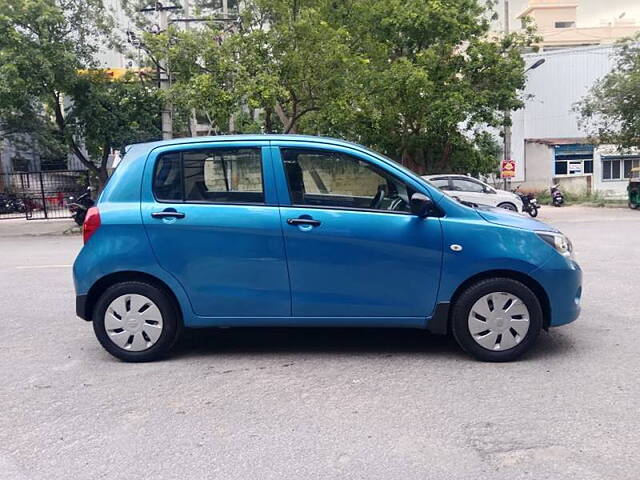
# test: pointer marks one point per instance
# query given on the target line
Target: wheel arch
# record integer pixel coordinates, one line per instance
(512, 203)
(126, 276)
(523, 278)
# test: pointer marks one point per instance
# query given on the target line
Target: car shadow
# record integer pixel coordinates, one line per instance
(313, 340)
(272, 340)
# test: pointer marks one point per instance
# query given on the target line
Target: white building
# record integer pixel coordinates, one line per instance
(547, 144)
(557, 24)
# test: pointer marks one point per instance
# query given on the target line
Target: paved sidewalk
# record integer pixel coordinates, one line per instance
(21, 227)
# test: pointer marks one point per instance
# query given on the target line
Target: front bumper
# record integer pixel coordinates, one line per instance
(561, 279)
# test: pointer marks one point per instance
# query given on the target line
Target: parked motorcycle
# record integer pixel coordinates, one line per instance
(11, 203)
(529, 202)
(557, 198)
(79, 206)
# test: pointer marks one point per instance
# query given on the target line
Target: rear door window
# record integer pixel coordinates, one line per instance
(213, 175)
(167, 178)
(441, 182)
(463, 185)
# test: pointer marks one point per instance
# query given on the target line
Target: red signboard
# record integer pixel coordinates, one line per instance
(508, 169)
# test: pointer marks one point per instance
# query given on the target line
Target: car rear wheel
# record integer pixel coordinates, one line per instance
(136, 321)
(497, 320)
(508, 206)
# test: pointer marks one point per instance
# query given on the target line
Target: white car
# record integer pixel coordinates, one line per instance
(472, 190)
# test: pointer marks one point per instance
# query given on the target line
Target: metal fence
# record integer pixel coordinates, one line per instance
(40, 195)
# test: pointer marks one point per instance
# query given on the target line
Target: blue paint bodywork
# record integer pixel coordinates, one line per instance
(244, 265)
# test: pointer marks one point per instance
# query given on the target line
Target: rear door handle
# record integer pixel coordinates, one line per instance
(168, 214)
(303, 221)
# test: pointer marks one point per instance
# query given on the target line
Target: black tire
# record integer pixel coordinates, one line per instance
(171, 321)
(79, 219)
(533, 211)
(464, 303)
(633, 206)
(508, 206)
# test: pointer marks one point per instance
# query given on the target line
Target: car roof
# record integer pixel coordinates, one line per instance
(140, 148)
(448, 175)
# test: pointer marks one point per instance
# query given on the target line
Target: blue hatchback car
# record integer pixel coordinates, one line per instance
(282, 230)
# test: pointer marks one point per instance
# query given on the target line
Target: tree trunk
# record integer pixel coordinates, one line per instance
(445, 159)
(268, 121)
(73, 146)
(288, 122)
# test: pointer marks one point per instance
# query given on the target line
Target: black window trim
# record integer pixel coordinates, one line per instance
(204, 202)
(323, 207)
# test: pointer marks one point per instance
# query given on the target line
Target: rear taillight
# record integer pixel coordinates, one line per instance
(91, 223)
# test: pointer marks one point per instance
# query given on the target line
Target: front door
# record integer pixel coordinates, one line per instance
(354, 250)
(211, 216)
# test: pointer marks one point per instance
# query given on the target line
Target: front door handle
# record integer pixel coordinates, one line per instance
(168, 214)
(303, 221)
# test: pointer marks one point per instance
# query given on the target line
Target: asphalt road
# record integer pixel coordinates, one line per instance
(322, 404)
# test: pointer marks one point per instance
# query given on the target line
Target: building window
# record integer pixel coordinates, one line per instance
(573, 159)
(565, 24)
(617, 168)
(20, 164)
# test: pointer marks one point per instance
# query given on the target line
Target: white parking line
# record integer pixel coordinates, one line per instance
(26, 267)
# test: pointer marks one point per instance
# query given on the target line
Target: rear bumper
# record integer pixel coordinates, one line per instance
(81, 307)
(562, 281)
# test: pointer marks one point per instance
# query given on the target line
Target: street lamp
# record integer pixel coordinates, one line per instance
(536, 65)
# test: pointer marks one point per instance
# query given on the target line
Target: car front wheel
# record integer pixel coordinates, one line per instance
(136, 321)
(496, 320)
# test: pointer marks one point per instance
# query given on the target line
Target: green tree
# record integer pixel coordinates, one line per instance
(276, 65)
(420, 80)
(610, 113)
(51, 88)
(436, 80)
(108, 115)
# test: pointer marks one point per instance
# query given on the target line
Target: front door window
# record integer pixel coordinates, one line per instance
(333, 179)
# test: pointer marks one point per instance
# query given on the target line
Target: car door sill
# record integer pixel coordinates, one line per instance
(376, 322)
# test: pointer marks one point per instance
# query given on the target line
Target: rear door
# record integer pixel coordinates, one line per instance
(356, 254)
(212, 218)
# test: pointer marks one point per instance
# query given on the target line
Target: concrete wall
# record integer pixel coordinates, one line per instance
(341, 178)
(538, 166)
(576, 184)
(244, 175)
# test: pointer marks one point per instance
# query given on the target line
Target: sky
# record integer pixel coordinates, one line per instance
(590, 12)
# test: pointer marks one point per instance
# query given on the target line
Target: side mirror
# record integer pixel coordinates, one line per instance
(488, 190)
(421, 205)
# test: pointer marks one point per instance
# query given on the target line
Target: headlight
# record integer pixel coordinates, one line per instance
(558, 241)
